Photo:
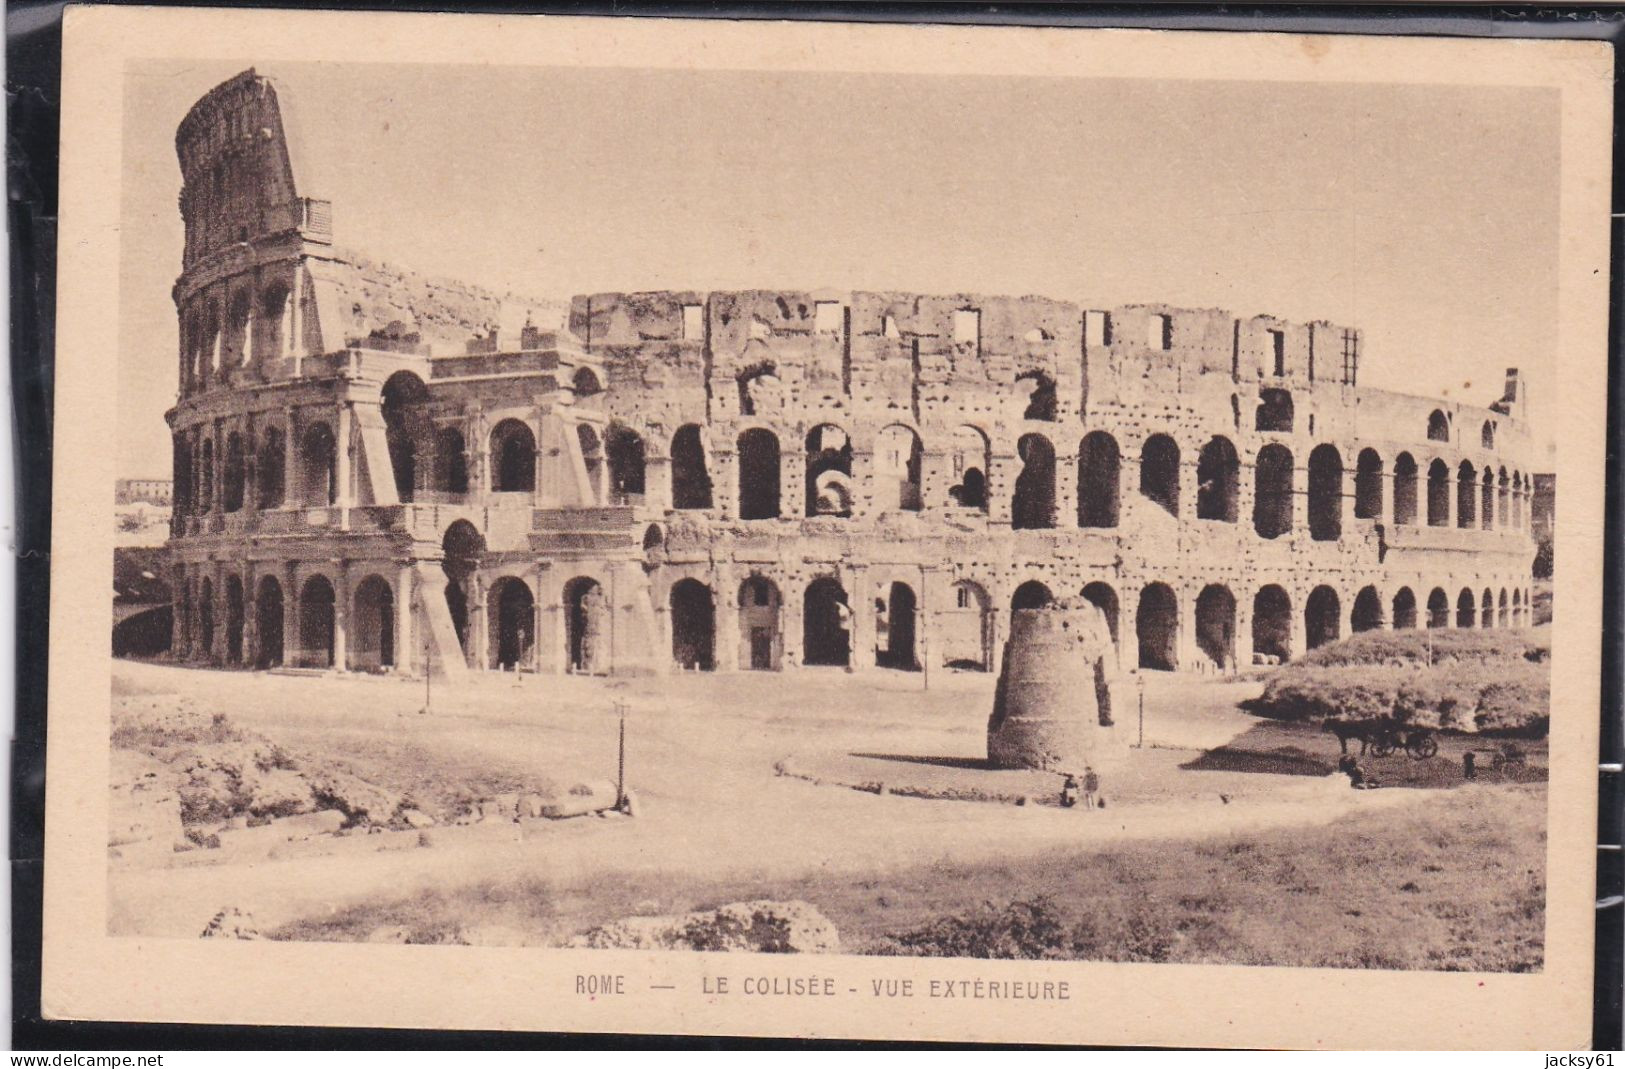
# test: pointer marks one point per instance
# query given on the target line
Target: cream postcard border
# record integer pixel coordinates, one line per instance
(88, 975)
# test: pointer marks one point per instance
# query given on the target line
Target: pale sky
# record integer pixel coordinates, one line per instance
(1426, 215)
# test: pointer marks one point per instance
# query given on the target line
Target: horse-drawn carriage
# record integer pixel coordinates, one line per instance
(1383, 737)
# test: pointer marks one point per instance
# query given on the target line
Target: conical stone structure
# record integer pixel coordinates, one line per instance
(1053, 706)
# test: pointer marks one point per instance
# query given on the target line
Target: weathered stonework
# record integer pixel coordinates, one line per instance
(374, 470)
(1053, 708)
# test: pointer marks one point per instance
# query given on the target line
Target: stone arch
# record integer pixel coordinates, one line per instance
(1322, 617)
(1486, 609)
(1272, 623)
(273, 458)
(1367, 614)
(1438, 608)
(826, 633)
(318, 465)
(1033, 504)
(511, 610)
(513, 457)
(584, 383)
(760, 391)
(690, 476)
(895, 629)
(1218, 479)
(899, 458)
(1041, 403)
(586, 627)
(1486, 437)
(1033, 594)
(1503, 514)
(372, 632)
(1325, 494)
(1159, 472)
(758, 474)
(1099, 479)
(1272, 491)
(237, 322)
(966, 629)
(1518, 609)
(1404, 609)
(1368, 485)
(316, 633)
(624, 449)
(1466, 495)
(462, 547)
(1466, 608)
(1501, 607)
(268, 617)
(1405, 480)
(829, 471)
(235, 484)
(1216, 626)
(1438, 494)
(970, 462)
(1438, 426)
(1103, 597)
(759, 624)
(273, 315)
(1156, 626)
(693, 625)
(1486, 507)
(1274, 412)
(234, 619)
(206, 464)
(404, 404)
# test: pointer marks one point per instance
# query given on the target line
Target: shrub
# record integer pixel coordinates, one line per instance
(1437, 646)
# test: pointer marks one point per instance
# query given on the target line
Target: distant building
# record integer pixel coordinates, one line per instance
(155, 491)
(1543, 507)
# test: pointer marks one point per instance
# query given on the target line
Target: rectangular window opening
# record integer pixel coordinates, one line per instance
(693, 322)
(1278, 352)
(1097, 328)
(1160, 332)
(829, 317)
(968, 327)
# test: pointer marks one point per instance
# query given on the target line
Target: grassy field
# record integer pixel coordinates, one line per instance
(1455, 884)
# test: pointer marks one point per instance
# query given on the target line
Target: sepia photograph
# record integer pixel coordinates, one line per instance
(716, 511)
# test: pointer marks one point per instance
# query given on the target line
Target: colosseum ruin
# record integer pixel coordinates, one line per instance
(381, 472)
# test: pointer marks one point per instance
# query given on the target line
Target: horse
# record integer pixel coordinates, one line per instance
(1364, 730)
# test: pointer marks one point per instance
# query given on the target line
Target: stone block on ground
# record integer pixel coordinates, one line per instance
(761, 926)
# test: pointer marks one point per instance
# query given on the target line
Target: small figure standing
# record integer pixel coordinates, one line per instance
(1091, 789)
(1469, 765)
(1359, 779)
(1069, 792)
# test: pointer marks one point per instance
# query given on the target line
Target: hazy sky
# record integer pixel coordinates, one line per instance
(1425, 215)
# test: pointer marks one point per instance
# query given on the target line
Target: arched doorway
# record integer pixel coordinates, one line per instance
(1405, 477)
(1325, 494)
(318, 466)
(1104, 598)
(1404, 609)
(1322, 617)
(1368, 485)
(586, 626)
(268, 610)
(1272, 624)
(1272, 491)
(1438, 494)
(1367, 614)
(966, 629)
(1438, 608)
(372, 638)
(234, 619)
(450, 462)
(1466, 609)
(273, 457)
(1159, 473)
(1466, 495)
(690, 480)
(1218, 475)
(1031, 595)
(1486, 609)
(895, 630)
(1156, 625)
(1033, 504)
(316, 623)
(899, 457)
(513, 458)
(1216, 626)
(829, 471)
(463, 547)
(759, 637)
(758, 474)
(625, 451)
(512, 609)
(970, 465)
(405, 402)
(825, 624)
(1099, 470)
(693, 626)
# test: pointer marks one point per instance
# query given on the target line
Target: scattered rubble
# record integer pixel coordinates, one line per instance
(762, 926)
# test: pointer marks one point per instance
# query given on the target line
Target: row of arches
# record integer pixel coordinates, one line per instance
(245, 327)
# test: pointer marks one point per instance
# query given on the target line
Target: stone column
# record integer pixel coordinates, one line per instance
(1244, 632)
(725, 596)
(251, 616)
(1187, 654)
(864, 491)
(405, 637)
(478, 449)
(251, 466)
(1300, 497)
(292, 640)
(724, 467)
(790, 622)
(341, 619)
(1346, 486)
(1003, 469)
(478, 640)
(177, 612)
(1300, 630)
(792, 480)
(1066, 489)
(861, 600)
(217, 643)
(657, 482)
(342, 450)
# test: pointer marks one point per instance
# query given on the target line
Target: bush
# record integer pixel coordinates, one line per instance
(1436, 646)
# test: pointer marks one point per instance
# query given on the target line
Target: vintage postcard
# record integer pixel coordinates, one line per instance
(808, 529)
